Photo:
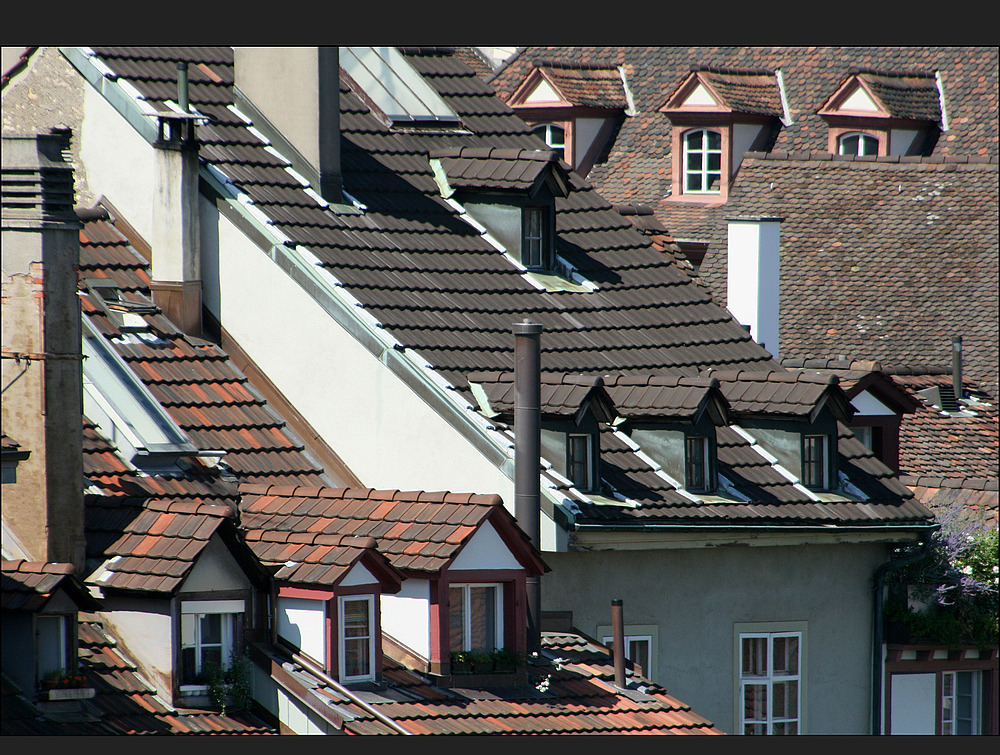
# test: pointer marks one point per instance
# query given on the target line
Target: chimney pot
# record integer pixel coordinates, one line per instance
(618, 642)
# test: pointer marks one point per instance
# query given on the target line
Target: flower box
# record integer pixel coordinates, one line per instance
(70, 693)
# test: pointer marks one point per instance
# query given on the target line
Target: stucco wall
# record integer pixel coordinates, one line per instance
(696, 597)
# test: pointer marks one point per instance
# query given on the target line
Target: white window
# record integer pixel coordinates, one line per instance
(770, 682)
(638, 649)
(357, 638)
(961, 702)
(580, 461)
(208, 638)
(699, 464)
(702, 162)
(814, 462)
(53, 644)
(553, 135)
(858, 144)
(475, 617)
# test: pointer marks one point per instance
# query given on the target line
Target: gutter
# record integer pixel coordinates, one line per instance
(877, 620)
(655, 526)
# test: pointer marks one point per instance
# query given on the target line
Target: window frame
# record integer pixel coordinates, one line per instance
(234, 609)
(64, 643)
(862, 137)
(770, 628)
(498, 629)
(540, 241)
(705, 152)
(708, 464)
(769, 679)
(547, 129)
(589, 443)
(976, 703)
(342, 638)
(809, 463)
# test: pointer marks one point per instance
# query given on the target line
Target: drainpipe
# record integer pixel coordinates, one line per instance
(956, 368)
(879, 586)
(527, 454)
(618, 637)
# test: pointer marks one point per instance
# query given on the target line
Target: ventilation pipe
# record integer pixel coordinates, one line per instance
(182, 86)
(527, 455)
(753, 276)
(618, 640)
(956, 368)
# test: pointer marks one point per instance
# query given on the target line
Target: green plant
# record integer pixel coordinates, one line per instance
(61, 679)
(505, 660)
(228, 688)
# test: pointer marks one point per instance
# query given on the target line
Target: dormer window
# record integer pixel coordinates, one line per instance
(580, 464)
(553, 135)
(536, 252)
(55, 644)
(815, 462)
(209, 634)
(475, 617)
(357, 638)
(702, 162)
(857, 143)
(699, 467)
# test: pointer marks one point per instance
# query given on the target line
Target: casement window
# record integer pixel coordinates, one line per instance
(53, 644)
(580, 462)
(553, 135)
(638, 649)
(702, 162)
(698, 464)
(209, 636)
(857, 143)
(770, 682)
(535, 253)
(357, 638)
(475, 617)
(961, 702)
(815, 462)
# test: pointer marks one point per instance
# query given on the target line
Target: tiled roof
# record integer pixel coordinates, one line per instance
(320, 528)
(486, 168)
(434, 283)
(745, 92)
(28, 585)
(124, 701)
(858, 230)
(569, 690)
(589, 87)
(787, 393)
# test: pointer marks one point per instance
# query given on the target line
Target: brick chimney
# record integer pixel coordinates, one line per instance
(753, 276)
(42, 363)
(292, 95)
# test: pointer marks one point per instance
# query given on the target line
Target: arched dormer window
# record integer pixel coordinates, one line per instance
(857, 143)
(702, 162)
(553, 135)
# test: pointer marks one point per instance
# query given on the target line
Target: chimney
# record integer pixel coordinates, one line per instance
(292, 95)
(753, 274)
(618, 642)
(527, 455)
(956, 368)
(42, 362)
(175, 235)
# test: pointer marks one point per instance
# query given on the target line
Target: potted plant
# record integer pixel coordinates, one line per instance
(482, 663)
(504, 661)
(461, 662)
(60, 685)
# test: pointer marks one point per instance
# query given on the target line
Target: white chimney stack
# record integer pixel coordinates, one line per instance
(753, 276)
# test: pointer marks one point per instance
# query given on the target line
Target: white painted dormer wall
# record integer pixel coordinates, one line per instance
(406, 615)
(485, 551)
(860, 101)
(543, 94)
(866, 405)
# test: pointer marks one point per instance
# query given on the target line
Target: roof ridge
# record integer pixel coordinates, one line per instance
(814, 155)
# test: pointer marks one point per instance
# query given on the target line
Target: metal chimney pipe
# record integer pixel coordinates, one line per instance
(618, 641)
(956, 367)
(527, 456)
(182, 86)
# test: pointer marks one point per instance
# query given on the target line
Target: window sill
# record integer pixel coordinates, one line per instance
(74, 693)
(705, 199)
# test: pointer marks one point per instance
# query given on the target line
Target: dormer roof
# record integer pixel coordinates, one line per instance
(567, 86)
(800, 395)
(29, 585)
(496, 169)
(417, 531)
(726, 91)
(910, 96)
(562, 396)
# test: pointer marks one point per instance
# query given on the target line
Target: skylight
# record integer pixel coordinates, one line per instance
(127, 413)
(394, 86)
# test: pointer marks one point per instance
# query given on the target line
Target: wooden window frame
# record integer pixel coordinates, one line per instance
(372, 638)
(808, 463)
(499, 629)
(708, 463)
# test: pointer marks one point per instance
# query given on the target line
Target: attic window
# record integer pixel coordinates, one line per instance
(581, 457)
(475, 617)
(53, 644)
(394, 86)
(553, 135)
(815, 464)
(536, 247)
(857, 143)
(702, 162)
(699, 469)
(357, 638)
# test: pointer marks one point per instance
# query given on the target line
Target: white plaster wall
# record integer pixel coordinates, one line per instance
(914, 703)
(585, 131)
(302, 622)
(215, 569)
(696, 597)
(406, 615)
(743, 136)
(753, 282)
(147, 636)
(359, 575)
(120, 164)
(290, 712)
(485, 551)
(867, 405)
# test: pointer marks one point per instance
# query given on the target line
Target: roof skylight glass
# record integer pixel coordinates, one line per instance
(394, 86)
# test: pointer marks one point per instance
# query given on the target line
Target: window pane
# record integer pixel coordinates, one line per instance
(456, 618)
(755, 729)
(482, 619)
(787, 727)
(754, 656)
(715, 162)
(51, 644)
(189, 665)
(786, 655)
(755, 702)
(693, 182)
(356, 657)
(638, 651)
(785, 699)
(694, 161)
(694, 140)
(714, 140)
(211, 628)
(869, 145)
(211, 654)
(356, 618)
(849, 145)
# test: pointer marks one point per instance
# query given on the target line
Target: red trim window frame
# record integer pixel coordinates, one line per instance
(679, 163)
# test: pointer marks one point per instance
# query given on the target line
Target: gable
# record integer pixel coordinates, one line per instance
(865, 404)
(699, 96)
(486, 550)
(216, 569)
(543, 93)
(358, 575)
(860, 101)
